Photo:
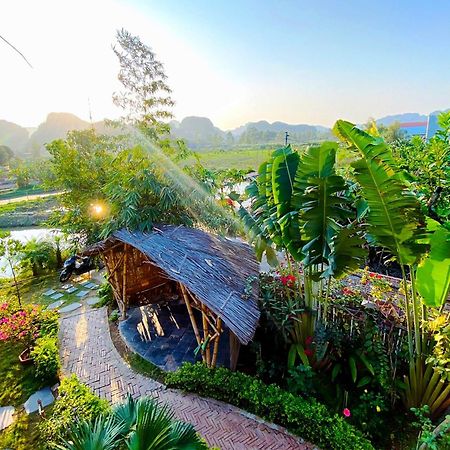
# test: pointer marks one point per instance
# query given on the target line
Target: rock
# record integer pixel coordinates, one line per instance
(44, 395)
(6, 416)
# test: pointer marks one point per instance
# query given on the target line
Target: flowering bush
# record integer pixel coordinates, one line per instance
(24, 323)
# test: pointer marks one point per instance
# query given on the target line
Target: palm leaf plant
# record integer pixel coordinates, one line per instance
(100, 434)
(140, 424)
(397, 223)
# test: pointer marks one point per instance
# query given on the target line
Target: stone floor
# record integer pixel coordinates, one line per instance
(163, 335)
(87, 351)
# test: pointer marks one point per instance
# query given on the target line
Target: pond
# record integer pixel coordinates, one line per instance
(24, 235)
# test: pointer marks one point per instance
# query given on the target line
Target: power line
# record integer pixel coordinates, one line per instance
(15, 49)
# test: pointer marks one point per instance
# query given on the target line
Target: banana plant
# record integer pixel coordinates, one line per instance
(299, 205)
(397, 223)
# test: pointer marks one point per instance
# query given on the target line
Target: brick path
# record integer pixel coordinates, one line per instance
(87, 350)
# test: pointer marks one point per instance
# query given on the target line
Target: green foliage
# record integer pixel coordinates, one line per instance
(76, 402)
(17, 382)
(433, 274)
(23, 434)
(114, 316)
(395, 218)
(45, 356)
(427, 164)
(303, 417)
(140, 424)
(431, 437)
(38, 255)
(99, 434)
(146, 95)
(109, 185)
(105, 294)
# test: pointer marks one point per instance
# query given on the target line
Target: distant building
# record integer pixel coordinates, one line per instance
(426, 129)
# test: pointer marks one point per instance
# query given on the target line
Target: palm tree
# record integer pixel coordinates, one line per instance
(135, 425)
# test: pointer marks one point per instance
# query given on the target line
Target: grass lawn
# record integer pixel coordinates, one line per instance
(17, 382)
(21, 192)
(23, 434)
(32, 290)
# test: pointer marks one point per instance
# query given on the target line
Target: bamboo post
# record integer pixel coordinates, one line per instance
(113, 285)
(124, 284)
(191, 316)
(216, 342)
(205, 335)
(235, 346)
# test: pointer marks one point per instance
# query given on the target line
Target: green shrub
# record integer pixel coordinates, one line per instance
(114, 316)
(46, 358)
(75, 402)
(49, 323)
(303, 417)
(105, 294)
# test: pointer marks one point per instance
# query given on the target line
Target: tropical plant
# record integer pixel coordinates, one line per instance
(140, 424)
(38, 255)
(427, 164)
(397, 223)
(301, 205)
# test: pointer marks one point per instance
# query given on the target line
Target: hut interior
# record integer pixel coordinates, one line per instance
(178, 271)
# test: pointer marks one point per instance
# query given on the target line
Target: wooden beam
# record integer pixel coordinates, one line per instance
(191, 316)
(115, 293)
(111, 272)
(124, 284)
(216, 342)
(205, 335)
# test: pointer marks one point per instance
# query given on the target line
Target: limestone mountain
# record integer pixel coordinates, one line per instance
(13, 136)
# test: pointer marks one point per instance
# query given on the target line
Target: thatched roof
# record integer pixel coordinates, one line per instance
(216, 270)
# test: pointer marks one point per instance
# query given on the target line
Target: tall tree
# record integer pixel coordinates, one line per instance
(146, 95)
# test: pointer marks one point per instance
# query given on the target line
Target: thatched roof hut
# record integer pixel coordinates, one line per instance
(214, 275)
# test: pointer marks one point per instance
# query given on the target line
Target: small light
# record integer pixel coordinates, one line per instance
(98, 209)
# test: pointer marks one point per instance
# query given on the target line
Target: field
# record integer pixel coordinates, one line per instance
(233, 159)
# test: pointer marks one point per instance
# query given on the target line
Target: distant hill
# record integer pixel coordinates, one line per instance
(200, 132)
(197, 131)
(402, 118)
(14, 136)
(56, 126)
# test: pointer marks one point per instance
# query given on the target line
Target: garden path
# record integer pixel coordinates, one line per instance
(87, 350)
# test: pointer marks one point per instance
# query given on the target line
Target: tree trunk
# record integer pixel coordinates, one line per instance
(15, 282)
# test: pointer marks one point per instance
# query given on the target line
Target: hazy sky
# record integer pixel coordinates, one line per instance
(233, 61)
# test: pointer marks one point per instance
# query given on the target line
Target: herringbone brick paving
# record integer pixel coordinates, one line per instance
(87, 350)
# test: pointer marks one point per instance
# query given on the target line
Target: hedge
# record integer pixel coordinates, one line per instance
(76, 402)
(304, 417)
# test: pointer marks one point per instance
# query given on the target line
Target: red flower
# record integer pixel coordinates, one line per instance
(229, 202)
(346, 412)
(308, 340)
(347, 291)
(283, 280)
(309, 352)
(371, 275)
(379, 277)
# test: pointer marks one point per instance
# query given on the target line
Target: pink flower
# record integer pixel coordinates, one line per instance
(346, 412)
